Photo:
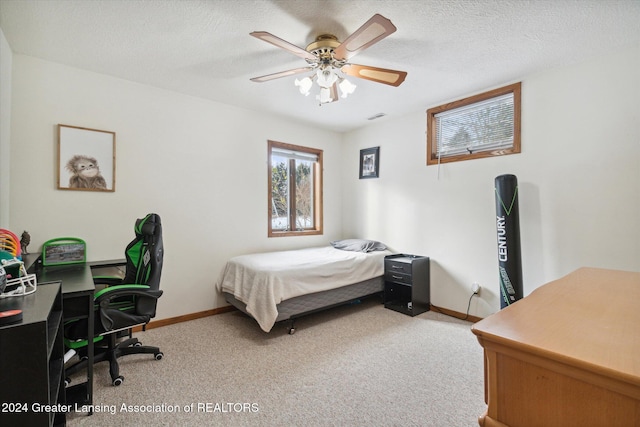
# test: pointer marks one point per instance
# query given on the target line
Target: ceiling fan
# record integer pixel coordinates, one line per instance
(328, 60)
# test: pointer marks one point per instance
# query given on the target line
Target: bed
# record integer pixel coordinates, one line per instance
(276, 286)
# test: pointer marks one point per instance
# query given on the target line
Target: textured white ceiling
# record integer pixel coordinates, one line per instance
(450, 48)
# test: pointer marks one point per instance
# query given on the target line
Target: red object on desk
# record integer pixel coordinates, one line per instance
(10, 316)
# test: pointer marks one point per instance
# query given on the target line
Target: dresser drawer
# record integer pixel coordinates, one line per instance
(392, 266)
(392, 276)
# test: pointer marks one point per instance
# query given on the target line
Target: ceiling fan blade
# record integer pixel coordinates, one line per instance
(379, 75)
(281, 74)
(334, 92)
(372, 31)
(277, 41)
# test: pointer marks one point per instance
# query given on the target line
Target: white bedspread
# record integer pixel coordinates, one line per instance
(262, 281)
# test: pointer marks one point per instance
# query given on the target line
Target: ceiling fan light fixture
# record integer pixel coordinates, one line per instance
(304, 85)
(346, 87)
(326, 77)
(325, 96)
(328, 62)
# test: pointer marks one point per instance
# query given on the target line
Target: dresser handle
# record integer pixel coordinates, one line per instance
(397, 267)
(396, 277)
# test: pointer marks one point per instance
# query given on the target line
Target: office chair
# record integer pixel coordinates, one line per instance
(123, 303)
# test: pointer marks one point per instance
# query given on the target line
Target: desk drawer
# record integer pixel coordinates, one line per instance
(392, 266)
(392, 276)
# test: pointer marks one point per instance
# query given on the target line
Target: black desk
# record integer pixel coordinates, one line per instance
(77, 303)
(31, 367)
(77, 295)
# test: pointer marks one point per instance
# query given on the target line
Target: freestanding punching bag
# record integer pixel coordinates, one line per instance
(508, 228)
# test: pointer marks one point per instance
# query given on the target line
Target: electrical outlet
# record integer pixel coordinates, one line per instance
(475, 288)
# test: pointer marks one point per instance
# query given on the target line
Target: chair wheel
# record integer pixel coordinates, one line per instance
(138, 344)
(67, 381)
(118, 381)
(159, 356)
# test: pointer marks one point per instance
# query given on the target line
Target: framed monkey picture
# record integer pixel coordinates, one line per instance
(86, 159)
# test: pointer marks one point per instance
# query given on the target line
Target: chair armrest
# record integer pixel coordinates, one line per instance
(112, 317)
(107, 294)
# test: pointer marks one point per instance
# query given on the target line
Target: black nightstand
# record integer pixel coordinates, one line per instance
(407, 283)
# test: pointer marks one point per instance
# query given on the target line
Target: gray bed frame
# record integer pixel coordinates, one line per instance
(303, 305)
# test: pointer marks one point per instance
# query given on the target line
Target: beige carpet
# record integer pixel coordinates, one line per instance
(356, 365)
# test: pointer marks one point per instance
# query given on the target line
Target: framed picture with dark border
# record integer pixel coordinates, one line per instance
(86, 159)
(370, 163)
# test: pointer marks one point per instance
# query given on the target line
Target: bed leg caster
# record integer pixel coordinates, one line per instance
(292, 328)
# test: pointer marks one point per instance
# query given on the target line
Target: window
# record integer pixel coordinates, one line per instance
(295, 190)
(480, 126)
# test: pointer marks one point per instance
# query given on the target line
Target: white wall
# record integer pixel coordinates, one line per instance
(178, 156)
(6, 61)
(578, 175)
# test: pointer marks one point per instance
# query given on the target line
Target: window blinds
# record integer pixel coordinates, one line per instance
(482, 126)
(291, 154)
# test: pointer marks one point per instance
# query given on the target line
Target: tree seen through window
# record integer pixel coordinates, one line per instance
(296, 173)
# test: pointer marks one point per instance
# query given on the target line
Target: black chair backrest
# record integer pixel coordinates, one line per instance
(145, 253)
(132, 306)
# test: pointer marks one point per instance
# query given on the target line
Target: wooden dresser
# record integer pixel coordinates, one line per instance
(566, 355)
